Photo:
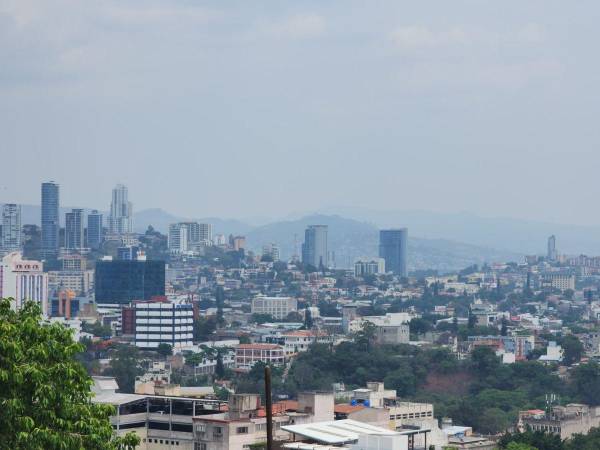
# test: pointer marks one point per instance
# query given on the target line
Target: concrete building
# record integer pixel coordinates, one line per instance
(552, 254)
(558, 280)
(277, 307)
(74, 226)
(10, 240)
(79, 281)
(271, 251)
(178, 238)
(50, 219)
(23, 280)
(163, 322)
(162, 422)
(120, 220)
(95, 230)
(300, 340)
(393, 328)
(314, 248)
(368, 266)
(246, 355)
(393, 249)
(564, 421)
(245, 422)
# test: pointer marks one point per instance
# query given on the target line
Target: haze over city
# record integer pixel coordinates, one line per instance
(261, 110)
(285, 225)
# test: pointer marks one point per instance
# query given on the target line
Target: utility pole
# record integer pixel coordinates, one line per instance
(269, 407)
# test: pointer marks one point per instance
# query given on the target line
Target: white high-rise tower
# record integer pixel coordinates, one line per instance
(120, 220)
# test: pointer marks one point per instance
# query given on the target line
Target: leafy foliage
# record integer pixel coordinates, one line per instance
(45, 397)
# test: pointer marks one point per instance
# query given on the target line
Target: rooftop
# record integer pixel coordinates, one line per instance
(336, 432)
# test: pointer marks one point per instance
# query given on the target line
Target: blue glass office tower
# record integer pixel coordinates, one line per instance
(95, 230)
(392, 248)
(122, 281)
(50, 219)
(314, 249)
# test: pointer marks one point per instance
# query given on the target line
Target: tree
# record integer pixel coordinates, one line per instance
(366, 335)
(164, 349)
(572, 349)
(472, 320)
(45, 397)
(220, 299)
(204, 327)
(308, 321)
(504, 328)
(220, 368)
(124, 366)
(586, 383)
(519, 446)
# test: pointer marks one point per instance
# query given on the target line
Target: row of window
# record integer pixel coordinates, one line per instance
(160, 441)
(411, 415)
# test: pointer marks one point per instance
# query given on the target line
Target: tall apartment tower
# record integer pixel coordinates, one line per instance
(50, 219)
(552, 255)
(178, 238)
(11, 227)
(120, 220)
(314, 249)
(392, 248)
(74, 238)
(95, 230)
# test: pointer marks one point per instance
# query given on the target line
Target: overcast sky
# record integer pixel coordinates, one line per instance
(255, 108)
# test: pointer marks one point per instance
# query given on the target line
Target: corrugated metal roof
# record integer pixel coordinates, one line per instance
(337, 431)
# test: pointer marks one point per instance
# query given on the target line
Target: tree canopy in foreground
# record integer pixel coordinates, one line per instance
(45, 397)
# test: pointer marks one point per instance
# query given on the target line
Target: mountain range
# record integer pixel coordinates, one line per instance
(442, 241)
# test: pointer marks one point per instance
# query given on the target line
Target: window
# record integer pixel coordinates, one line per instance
(242, 430)
(199, 446)
(217, 432)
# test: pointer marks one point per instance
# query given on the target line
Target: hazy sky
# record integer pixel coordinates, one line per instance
(249, 108)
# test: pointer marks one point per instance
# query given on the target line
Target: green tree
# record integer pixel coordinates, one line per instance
(220, 299)
(124, 366)
(572, 349)
(586, 383)
(366, 335)
(220, 368)
(308, 320)
(45, 397)
(164, 349)
(204, 327)
(519, 446)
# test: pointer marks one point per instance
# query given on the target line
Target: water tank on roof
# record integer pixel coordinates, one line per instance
(366, 403)
(353, 402)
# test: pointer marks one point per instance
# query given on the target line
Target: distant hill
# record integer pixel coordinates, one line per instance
(161, 219)
(350, 239)
(514, 235)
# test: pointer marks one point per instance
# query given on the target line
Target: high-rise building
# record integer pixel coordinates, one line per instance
(11, 227)
(163, 322)
(120, 220)
(121, 281)
(95, 230)
(314, 248)
(368, 266)
(552, 255)
(178, 238)
(204, 234)
(184, 236)
(271, 251)
(74, 238)
(50, 219)
(392, 248)
(23, 280)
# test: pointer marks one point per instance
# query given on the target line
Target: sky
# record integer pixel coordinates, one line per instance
(269, 108)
